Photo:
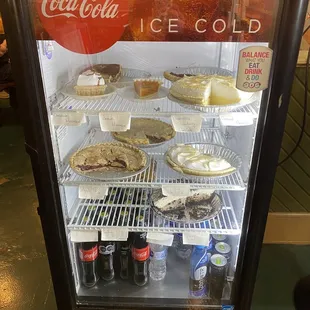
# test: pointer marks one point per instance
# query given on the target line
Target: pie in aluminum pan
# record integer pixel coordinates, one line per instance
(108, 157)
(173, 77)
(188, 160)
(201, 205)
(146, 131)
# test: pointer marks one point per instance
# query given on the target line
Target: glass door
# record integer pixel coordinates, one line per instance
(153, 111)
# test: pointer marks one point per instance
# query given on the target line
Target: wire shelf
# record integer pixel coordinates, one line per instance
(115, 103)
(159, 173)
(115, 206)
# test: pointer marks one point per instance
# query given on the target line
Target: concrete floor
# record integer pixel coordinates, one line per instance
(25, 281)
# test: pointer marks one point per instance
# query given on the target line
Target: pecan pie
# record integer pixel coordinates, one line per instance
(108, 157)
(146, 131)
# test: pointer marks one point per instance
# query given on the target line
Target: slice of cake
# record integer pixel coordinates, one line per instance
(224, 91)
(146, 87)
(90, 83)
(110, 72)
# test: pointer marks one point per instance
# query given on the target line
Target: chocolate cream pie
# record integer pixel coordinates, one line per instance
(110, 72)
(146, 131)
(199, 206)
(108, 157)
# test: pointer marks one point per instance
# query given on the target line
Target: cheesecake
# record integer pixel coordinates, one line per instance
(206, 90)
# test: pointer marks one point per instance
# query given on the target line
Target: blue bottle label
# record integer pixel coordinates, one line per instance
(228, 307)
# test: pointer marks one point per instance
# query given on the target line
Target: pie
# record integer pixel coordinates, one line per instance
(201, 205)
(188, 160)
(110, 72)
(90, 83)
(173, 77)
(108, 157)
(146, 131)
(146, 87)
(206, 90)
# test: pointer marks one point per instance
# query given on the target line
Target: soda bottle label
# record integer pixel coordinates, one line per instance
(141, 254)
(200, 273)
(88, 255)
(159, 255)
(106, 250)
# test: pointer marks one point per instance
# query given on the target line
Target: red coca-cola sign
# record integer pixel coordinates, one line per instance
(84, 26)
(88, 255)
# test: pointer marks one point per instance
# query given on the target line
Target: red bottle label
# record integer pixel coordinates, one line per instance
(88, 255)
(141, 255)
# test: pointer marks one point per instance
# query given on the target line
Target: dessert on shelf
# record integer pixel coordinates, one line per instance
(173, 77)
(206, 90)
(108, 157)
(145, 88)
(189, 160)
(201, 205)
(90, 83)
(146, 131)
(110, 72)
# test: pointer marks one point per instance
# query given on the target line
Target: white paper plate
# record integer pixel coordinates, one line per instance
(129, 93)
(69, 90)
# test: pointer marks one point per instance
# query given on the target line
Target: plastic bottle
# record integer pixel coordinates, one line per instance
(198, 272)
(183, 251)
(158, 260)
(106, 251)
(88, 254)
(140, 252)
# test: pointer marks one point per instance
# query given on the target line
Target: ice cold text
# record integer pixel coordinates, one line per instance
(220, 25)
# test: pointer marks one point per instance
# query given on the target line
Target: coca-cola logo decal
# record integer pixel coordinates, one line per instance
(84, 26)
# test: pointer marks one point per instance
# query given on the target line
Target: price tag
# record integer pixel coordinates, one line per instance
(114, 121)
(187, 122)
(84, 236)
(196, 238)
(179, 190)
(68, 118)
(114, 234)
(90, 191)
(159, 238)
(236, 119)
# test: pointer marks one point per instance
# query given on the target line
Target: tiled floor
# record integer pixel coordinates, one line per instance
(25, 281)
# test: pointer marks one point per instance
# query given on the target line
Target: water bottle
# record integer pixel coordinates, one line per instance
(198, 272)
(183, 251)
(158, 261)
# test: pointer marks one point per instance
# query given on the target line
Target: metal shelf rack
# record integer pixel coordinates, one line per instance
(86, 214)
(115, 103)
(158, 173)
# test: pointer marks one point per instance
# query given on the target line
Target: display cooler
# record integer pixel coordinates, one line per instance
(154, 129)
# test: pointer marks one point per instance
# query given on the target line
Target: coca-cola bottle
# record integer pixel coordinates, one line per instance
(106, 251)
(88, 254)
(140, 252)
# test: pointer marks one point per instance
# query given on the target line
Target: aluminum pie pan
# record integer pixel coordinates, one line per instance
(115, 175)
(216, 203)
(211, 149)
(246, 97)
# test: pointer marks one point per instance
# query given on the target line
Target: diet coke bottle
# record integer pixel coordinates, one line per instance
(140, 252)
(88, 253)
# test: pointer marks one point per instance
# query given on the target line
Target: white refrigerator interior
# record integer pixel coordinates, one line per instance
(59, 67)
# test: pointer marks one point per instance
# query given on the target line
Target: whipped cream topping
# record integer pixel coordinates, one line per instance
(90, 78)
(191, 158)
